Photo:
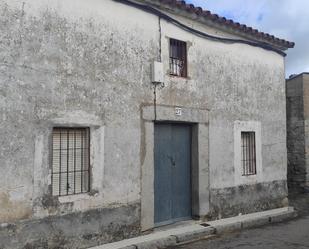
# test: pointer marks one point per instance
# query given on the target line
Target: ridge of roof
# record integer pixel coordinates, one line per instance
(192, 9)
(293, 76)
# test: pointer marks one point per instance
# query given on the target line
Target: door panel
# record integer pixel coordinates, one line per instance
(172, 182)
(181, 172)
(163, 172)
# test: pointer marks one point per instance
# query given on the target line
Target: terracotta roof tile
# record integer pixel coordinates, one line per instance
(182, 5)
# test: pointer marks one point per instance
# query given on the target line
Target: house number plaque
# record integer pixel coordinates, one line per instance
(178, 111)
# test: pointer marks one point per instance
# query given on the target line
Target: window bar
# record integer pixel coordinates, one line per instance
(183, 69)
(254, 154)
(186, 60)
(68, 155)
(247, 153)
(173, 54)
(52, 168)
(180, 64)
(178, 58)
(178, 69)
(249, 158)
(252, 157)
(171, 57)
(245, 157)
(244, 148)
(242, 154)
(88, 149)
(74, 161)
(60, 164)
(182, 48)
(174, 67)
(250, 153)
(174, 48)
(244, 141)
(174, 57)
(82, 161)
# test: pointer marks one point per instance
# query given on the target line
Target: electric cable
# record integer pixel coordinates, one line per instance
(167, 18)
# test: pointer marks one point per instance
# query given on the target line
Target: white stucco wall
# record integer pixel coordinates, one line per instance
(235, 82)
(93, 58)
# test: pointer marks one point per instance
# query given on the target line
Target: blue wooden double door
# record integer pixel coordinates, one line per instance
(172, 173)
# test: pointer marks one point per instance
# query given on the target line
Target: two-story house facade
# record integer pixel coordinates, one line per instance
(119, 116)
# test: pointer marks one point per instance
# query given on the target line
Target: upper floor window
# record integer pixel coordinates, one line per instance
(70, 161)
(248, 153)
(178, 58)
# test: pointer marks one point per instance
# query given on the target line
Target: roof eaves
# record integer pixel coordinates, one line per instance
(228, 23)
(293, 76)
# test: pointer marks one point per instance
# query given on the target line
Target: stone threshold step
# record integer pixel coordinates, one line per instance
(172, 237)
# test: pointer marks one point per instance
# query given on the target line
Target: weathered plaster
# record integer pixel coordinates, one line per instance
(233, 201)
(234, 82)
(87, 63)
(57, 71)
(79, 230)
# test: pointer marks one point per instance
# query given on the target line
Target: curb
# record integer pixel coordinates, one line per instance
(193, 232)
(248, 221)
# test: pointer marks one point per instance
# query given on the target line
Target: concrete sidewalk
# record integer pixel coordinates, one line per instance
(198, 230)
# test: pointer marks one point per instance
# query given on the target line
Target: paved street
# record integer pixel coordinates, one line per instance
(289, 235)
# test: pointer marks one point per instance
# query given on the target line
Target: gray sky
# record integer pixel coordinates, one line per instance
(287, 19)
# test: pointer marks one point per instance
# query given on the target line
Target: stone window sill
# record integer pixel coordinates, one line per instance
(74, 198)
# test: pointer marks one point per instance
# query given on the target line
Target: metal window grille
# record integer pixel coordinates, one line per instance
(70, 161)
(178, 58)
(248, 153)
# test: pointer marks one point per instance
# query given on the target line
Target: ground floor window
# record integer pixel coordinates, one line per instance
(248, 153)
(70, 161)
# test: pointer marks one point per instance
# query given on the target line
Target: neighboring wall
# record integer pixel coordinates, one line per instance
(72, 63)
(297, 91)
(87, 63)
(306, 124)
